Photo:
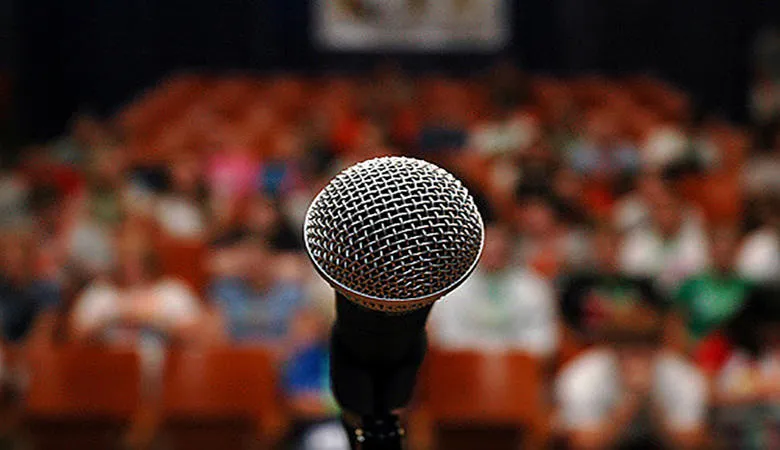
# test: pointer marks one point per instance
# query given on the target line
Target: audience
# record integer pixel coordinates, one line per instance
(231, 172)
(548, 158)
(591, 298)
(500, 306)
(307, 383)
(546, 242)
(180, 210)
(137, 303)
(281, 173)
(97, 211)
(443, 131)
(761, 172)
(670, 248)
(257, 303)
(14, 198)
(601, 153)
(628, 393)
(22, 296)
(664, 147)
(508, 133)
(707, 300)
(747, 388)
(567, 187)
(265, 221)
(52, 221)
(759, 257)
(633, 210)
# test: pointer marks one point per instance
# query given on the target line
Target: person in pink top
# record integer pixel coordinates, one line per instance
(231, 169)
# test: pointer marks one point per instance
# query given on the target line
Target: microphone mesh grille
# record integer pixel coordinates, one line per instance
(394, 229)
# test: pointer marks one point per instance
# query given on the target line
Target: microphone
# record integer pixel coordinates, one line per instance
(391, 235)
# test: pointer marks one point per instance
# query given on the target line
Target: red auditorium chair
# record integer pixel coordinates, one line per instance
(80, 397)
(229, 95)
(483, 400)
(183, 259)
(721, 198)
(220, 398)
(153, 110)
(289, 97)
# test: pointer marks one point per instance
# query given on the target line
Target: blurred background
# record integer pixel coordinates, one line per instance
(157, 158)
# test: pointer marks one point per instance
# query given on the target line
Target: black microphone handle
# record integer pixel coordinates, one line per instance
(375, 357)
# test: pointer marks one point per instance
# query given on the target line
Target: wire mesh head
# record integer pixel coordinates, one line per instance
(393, 233)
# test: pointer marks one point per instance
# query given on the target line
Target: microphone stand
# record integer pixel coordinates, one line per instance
(382, 432)
(379, 431)
(374, 362)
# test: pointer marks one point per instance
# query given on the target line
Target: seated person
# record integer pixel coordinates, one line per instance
(627, 393)
(180, 209)
(669, 248)
(547, 242)
(499, 306)
(746, 390)
(759, 258)
(136, 304)
(306, 381)
(709, 299)
(590, 298)
(22, 295)
(603, 153)
(256, 301)
(633, 209)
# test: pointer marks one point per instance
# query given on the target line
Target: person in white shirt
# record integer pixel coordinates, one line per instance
(508, 134)
(499, 307)
(672, 247)
(135, 305)
(664, 146)
(630, 394)
(759, 258)
(633, 209)
(180, 211)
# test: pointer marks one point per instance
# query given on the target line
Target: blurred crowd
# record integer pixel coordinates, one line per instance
(632, 243)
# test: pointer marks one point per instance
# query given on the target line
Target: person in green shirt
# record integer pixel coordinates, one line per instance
(708, 300)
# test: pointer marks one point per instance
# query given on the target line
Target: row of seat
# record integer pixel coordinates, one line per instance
(91, 397)
(168, 119)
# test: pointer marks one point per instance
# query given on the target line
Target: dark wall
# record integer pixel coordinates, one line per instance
(702, 45)
(6, 36)
(96, 54)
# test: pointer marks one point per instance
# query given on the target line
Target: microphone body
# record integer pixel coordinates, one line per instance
(375, 357)
(392, 235)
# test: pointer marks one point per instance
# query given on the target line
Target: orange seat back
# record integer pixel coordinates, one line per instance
(220, 382)
(83, 381)
(483, 388)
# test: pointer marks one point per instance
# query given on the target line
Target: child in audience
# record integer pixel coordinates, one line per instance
(307, 385)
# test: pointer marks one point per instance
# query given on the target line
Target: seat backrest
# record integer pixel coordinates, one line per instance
(183, 259)
(83, 381)
(219, 382)
(721, 198)
(483, 388)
